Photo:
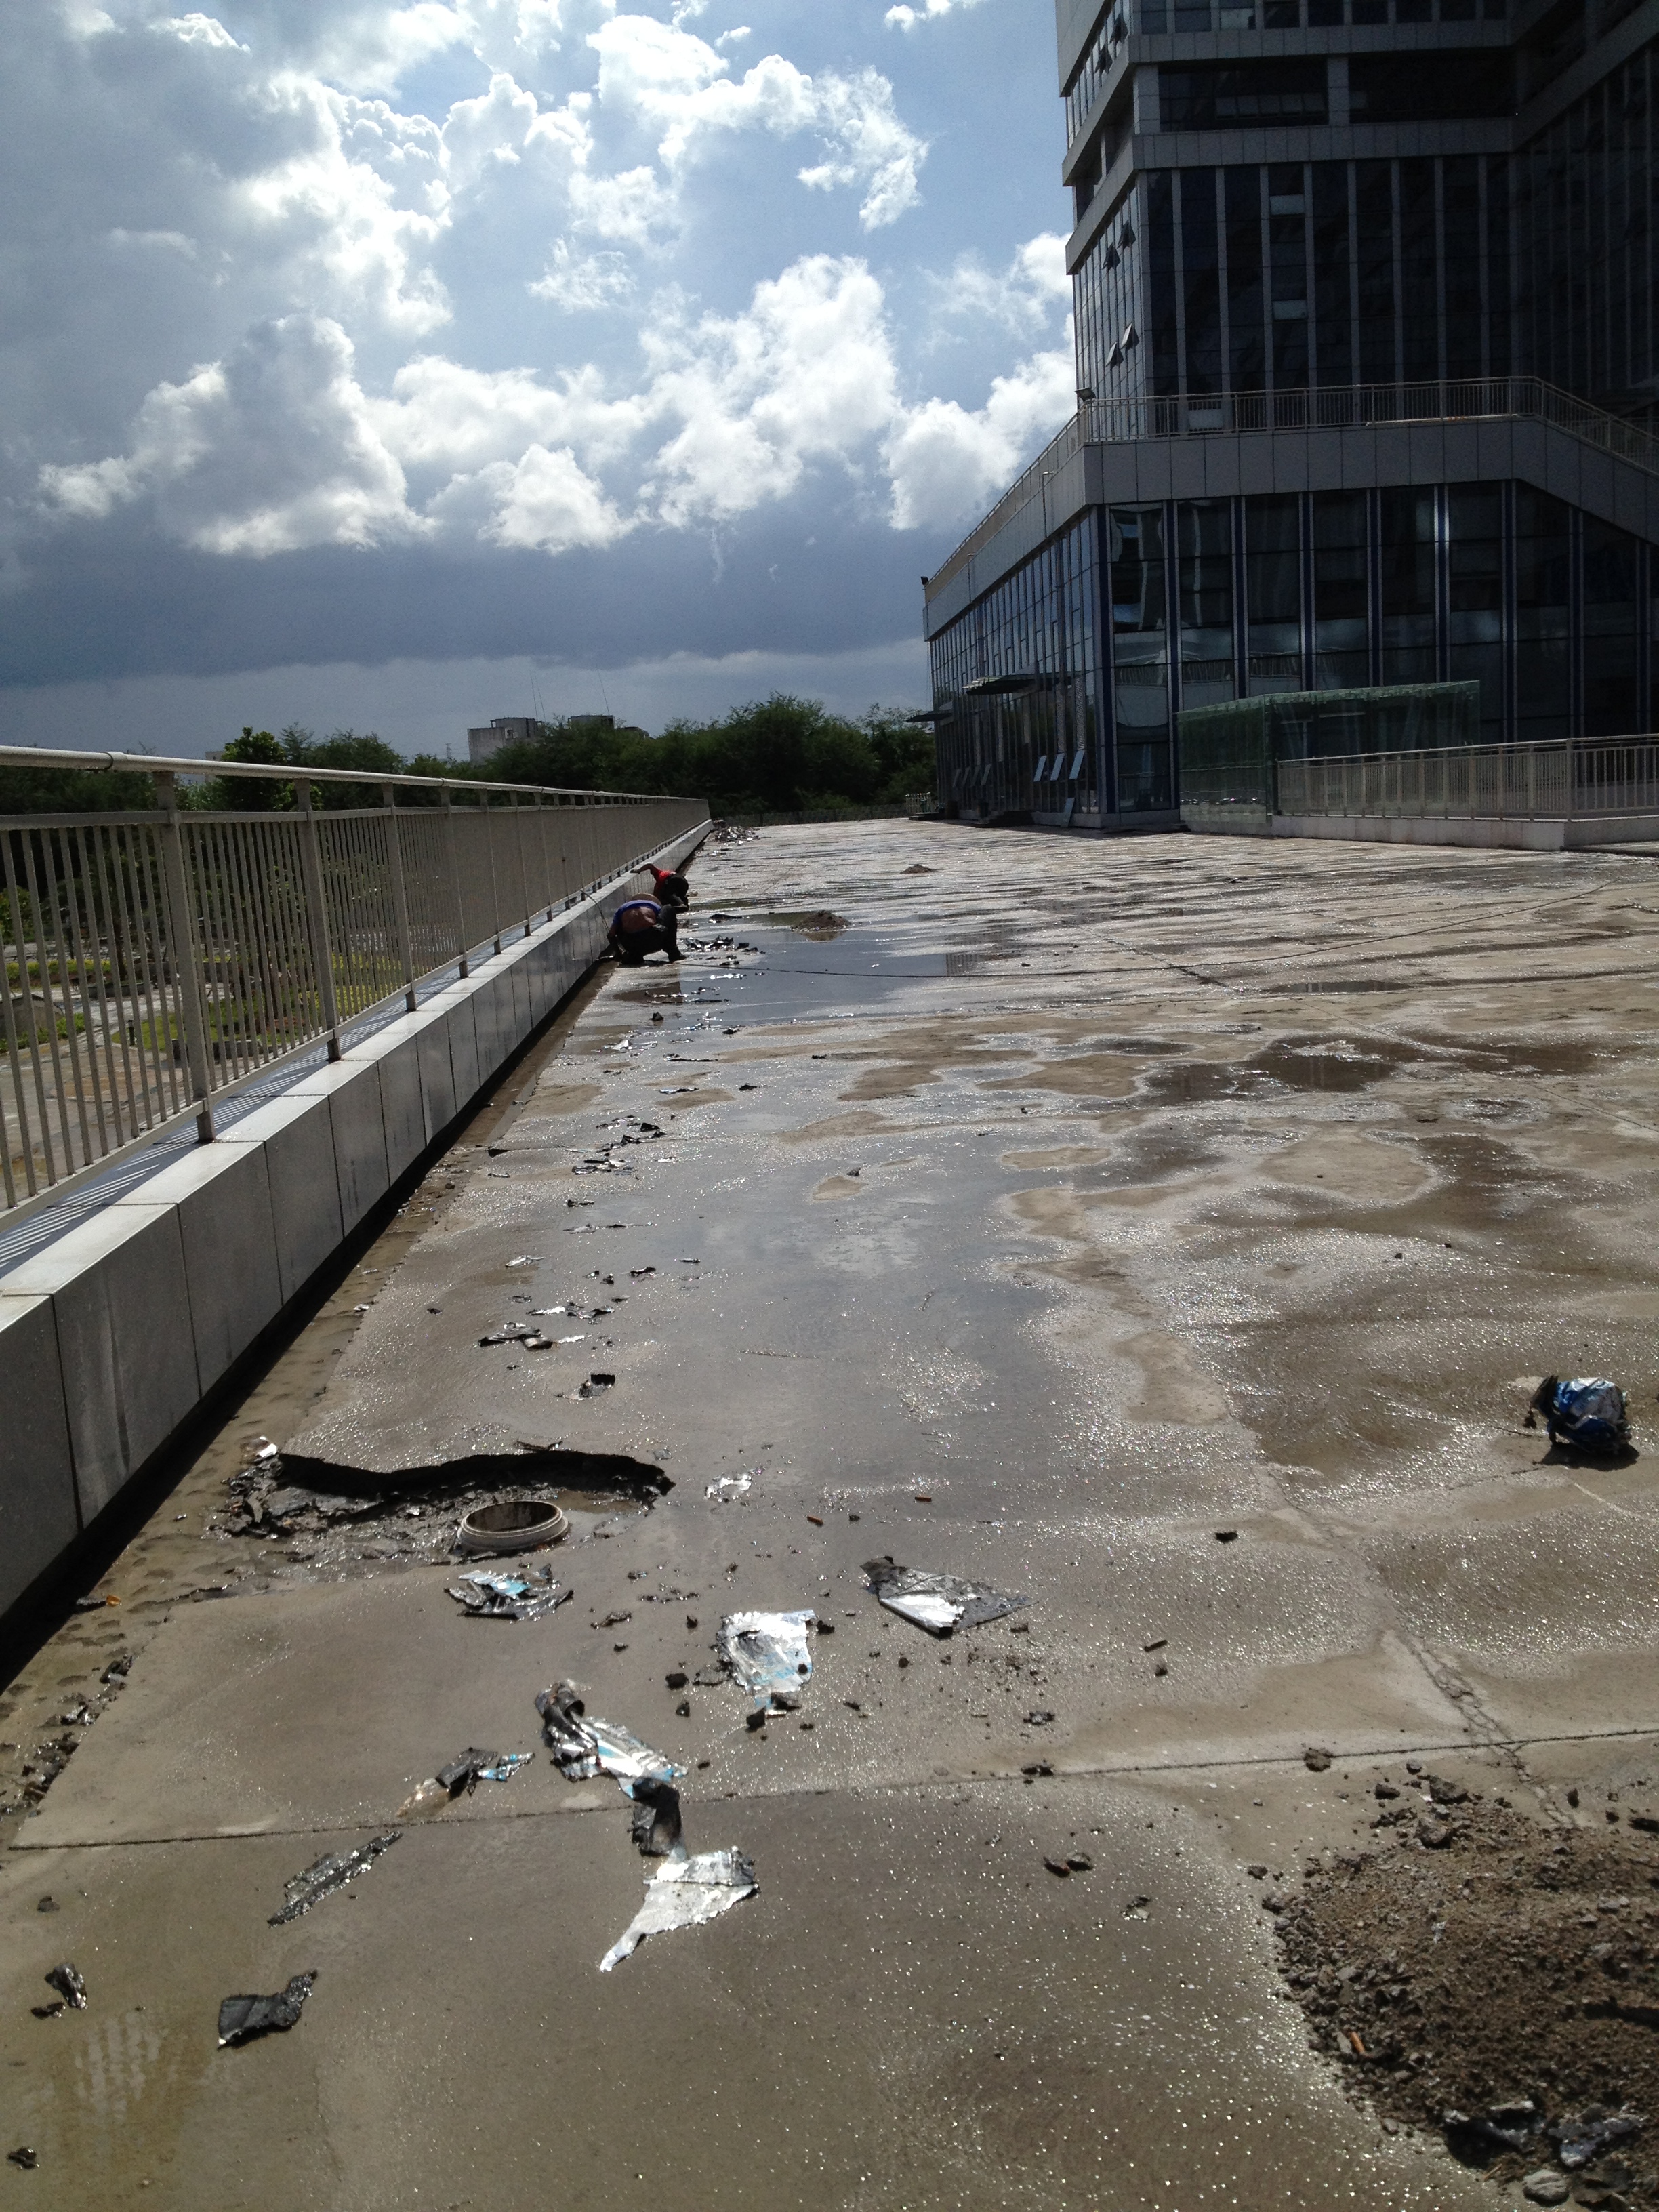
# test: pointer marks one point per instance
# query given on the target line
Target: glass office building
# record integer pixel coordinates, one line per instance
(1366, 305)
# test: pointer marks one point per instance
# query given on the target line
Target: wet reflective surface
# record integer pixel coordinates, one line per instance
(1058, 1212)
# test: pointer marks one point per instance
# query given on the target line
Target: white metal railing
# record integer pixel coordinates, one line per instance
(1566, 779)
(1333, 407)
(155, 959)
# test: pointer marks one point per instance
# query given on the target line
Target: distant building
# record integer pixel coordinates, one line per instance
(518, 729)
(505, 730)
(1367, 311)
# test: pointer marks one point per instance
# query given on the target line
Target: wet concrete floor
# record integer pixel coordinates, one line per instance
(1034, 1210)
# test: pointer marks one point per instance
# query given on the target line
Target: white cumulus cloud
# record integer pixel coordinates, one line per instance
(946, 460)
(1021, 296)
(582, 282)
(681, 87)
(269, 451)
(905, 18)
(805, 374)
(544, 501)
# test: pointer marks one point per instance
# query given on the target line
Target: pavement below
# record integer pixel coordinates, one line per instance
(1169, 1231)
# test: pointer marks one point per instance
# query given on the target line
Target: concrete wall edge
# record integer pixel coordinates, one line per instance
(352, 1130)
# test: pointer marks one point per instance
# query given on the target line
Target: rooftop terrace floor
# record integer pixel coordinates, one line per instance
(1029, 1208)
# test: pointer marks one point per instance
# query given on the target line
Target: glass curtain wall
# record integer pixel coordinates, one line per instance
(1283, 275)
(1552, 615)
(1543, 614)
(1106, 297)
(1341, 590)
(1474, 598)
(1040, 628)
(1586, 220)
(1140, 657)
(1273, 594)
(1204, 536)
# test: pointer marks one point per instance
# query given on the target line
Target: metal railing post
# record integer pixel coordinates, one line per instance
(322, 955)
(399, 897)
(446, 807)
(187, 959)
(495, 888)
(524, 874)
(547, 858)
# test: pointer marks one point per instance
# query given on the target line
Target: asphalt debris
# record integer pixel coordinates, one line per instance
(243, 2017)
(326, 1875)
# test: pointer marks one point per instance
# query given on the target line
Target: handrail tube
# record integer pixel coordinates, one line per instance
(1545, 779)
(163, 764)
(155, 959)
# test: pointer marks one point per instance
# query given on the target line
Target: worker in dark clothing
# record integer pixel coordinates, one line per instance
(672, 886)
(643, 925)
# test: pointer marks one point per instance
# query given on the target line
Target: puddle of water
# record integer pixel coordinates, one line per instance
(1322, 1065)
(1199, 1082)
(1293, 1064)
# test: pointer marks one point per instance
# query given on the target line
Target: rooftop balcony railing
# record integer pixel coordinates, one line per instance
(1554, 780)
(156, 959)
(1328, 407)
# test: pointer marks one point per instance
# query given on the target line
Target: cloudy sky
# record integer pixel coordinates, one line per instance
(399, 366)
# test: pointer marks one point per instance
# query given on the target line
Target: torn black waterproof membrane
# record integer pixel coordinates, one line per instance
(241, 2019)
(412, 1507)
(326, 1875)
(937, 1602)
(656, 1824)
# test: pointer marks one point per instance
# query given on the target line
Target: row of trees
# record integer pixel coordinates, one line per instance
(777, 756)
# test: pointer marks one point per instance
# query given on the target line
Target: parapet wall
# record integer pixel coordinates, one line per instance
(113, 1336)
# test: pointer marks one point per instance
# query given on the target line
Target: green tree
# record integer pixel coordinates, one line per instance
(904, 753)
(781, 755)
(73, 791)
(297, 748)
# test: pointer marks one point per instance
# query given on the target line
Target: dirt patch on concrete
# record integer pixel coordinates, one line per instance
(1496, 1982)
(820, 923)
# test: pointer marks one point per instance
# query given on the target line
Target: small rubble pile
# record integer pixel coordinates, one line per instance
(1497, 1982)
(30, 1769)
(719, 945)
(601, 1160)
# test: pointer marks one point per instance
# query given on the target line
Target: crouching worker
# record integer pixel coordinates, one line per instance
(643, 925)
(671, 887)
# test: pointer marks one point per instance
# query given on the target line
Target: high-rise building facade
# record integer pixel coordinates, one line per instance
(1366, 301)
